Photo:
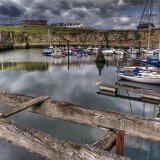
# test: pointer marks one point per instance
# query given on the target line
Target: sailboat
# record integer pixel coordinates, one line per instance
(137, 74)
(48, 50)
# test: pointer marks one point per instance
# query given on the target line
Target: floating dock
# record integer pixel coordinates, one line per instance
(145, 93)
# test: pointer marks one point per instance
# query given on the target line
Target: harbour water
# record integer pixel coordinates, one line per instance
(29, 72)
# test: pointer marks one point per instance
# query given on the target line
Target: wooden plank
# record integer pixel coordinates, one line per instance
(23, 106)
(131, 124)
(106, 142)
(48, 146)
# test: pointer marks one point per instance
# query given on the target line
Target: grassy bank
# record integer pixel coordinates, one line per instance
(44, 29)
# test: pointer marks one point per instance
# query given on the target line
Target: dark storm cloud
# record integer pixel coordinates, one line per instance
(101, 13)
(42, 7)
(11, 9)
(64, 5)
(135, 2)
(85, 4)
(79, 14)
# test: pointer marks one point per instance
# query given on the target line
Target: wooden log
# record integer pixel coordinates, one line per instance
(131, 124)
(23, 106)
(106, 142)
(48, 146)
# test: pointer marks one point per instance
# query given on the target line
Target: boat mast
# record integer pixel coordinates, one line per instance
(159, 33)
(149, 28)
(49, 38)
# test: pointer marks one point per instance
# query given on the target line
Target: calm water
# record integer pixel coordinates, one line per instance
(30, 73)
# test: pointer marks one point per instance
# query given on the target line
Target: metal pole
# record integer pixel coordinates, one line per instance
(68, 52)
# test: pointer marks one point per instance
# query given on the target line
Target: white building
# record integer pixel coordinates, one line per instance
(74, 25)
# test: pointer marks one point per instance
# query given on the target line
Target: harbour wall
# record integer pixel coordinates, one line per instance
(112, 38)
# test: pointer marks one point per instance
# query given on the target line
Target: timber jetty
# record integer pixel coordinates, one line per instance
(146, 94)
(117, 125)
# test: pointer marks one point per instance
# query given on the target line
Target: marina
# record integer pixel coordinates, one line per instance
(86, 98)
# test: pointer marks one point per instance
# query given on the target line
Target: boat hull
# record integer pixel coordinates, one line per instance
(140, 79)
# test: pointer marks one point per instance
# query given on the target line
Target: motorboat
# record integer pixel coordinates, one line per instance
(47, 51)
(108, 51)
(57, 53)
(119, 51)
(132, 51)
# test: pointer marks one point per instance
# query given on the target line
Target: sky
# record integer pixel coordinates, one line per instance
(104, 14)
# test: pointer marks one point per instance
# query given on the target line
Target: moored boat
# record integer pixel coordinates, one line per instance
(140, 75)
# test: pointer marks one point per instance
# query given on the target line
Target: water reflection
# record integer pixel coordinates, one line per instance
(30, 73)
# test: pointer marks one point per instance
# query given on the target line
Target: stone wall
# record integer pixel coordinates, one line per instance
(114, 38)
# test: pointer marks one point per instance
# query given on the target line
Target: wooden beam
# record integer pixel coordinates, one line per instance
(106, 142)
(131, 124)
(48, 146)
(25, 105)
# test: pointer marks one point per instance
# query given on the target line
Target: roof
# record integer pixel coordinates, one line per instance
(145, 25)
(28, 20)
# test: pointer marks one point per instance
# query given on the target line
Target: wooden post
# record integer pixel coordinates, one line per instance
(68, 52)
(119, 142)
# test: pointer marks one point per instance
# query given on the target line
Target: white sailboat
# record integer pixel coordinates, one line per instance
(48, 50)
(146, 75)
(141, 77)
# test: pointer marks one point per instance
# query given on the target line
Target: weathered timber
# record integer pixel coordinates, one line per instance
(145, 100)
(48, 146)
(148, 93)
(106, 142)
(131, 124)
(25, 105)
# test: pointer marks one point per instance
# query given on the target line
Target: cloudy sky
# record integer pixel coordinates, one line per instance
(108, 14)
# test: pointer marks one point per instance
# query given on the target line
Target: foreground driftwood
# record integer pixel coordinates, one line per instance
(50, 147)
(106, 142)
(23, 106)
(132, 125)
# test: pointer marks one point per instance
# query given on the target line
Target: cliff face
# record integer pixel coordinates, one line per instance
(114, 38)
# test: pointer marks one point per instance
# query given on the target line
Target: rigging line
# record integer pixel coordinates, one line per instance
(130, 103)
(143, 11)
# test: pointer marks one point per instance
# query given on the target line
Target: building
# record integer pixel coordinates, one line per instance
(74, 25)
(145, 26)
(33, 22)
(69, 25)
(58, 24)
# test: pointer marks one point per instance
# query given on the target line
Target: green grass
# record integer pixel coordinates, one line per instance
(35, 29)
(44, 29)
